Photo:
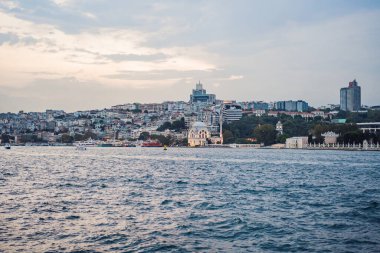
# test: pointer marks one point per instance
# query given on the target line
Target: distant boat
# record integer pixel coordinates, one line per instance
(7, 146)
(165, 148)
(88, 143)
(151, 144)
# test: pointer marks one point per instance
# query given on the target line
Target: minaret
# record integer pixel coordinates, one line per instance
(279, 128)
(221, 124)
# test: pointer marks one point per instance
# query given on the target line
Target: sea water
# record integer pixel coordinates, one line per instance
(55, 199)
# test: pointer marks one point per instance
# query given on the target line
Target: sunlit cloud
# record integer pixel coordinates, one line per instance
(88, 55)
(139, 51)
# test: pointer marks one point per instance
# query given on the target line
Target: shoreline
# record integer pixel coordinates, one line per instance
(215, 147)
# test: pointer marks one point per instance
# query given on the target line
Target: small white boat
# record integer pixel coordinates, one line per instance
(7, 146)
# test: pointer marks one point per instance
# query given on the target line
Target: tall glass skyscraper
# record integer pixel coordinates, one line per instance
(350, 97)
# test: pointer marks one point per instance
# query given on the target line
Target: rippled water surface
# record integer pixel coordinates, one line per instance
(185, 200)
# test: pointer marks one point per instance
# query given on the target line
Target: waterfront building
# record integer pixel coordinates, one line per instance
(369, 127)
(330, 137)
(296, 142)
(199, 95)
(232, 112)
(198, 135)
(350, 97)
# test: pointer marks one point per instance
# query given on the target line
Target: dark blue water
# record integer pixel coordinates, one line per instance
(186, 200)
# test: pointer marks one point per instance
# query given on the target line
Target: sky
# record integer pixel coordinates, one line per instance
(78, 55)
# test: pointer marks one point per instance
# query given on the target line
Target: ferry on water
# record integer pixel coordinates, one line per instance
(88, 143)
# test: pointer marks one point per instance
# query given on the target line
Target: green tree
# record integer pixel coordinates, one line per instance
(78, 137)
(5, 138)
(265, 134)
(317, 132)
(178, 125)
(163, 127)
(67, 138)
(163, 139)
(282, 138)
(87, 135)
(144, 136)
(228, 137)
(373, 116)
(342, 115)
(184, 142)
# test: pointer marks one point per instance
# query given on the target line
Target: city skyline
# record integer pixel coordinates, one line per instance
(78, 55)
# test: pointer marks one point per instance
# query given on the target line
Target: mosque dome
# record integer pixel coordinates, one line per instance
(198, 134)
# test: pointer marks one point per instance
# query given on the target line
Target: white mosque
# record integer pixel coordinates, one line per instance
(198, 135)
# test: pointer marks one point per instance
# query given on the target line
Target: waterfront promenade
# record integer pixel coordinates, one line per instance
(360, 147)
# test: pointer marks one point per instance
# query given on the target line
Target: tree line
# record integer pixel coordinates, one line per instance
(253, 129)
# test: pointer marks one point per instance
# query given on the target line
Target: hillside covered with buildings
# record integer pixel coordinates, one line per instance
(169, 122)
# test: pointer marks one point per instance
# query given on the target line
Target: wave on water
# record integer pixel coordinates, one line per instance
(188, 200)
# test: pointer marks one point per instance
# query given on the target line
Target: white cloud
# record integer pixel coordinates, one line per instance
(63, 3)
(86, 55)
(89, 15)
(10, 4)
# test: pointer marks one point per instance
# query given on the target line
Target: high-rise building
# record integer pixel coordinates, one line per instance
(291, 106)
(200, 95)
(232, 112)
(302, 106)
(350, 97)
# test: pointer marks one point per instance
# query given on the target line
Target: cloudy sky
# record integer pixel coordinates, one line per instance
(78, 54)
